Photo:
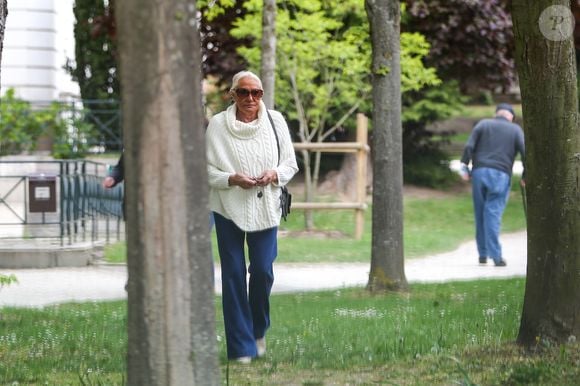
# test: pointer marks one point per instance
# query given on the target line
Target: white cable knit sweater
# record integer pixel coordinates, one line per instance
(248, 148)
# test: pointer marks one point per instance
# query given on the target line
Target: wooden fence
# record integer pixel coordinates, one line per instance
(361, 148)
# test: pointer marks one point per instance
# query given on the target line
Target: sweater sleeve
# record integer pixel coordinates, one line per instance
(118, 171)
(470, 145)
(287, 166)
(217, 177)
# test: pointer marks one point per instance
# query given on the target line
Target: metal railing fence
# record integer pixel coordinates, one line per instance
(60, 200)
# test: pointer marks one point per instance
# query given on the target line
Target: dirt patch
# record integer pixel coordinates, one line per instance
(425, 193)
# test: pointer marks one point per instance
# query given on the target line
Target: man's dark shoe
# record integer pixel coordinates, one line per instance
(483, 260)
(500, 263)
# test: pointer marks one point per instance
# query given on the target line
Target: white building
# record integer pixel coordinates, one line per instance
(38, 40)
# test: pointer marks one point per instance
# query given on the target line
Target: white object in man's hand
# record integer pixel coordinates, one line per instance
(464, 172)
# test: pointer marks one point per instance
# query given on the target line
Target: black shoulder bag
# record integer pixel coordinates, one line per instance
(285, 196)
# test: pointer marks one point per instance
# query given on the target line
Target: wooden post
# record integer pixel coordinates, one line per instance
(362, 123)
(361, 148)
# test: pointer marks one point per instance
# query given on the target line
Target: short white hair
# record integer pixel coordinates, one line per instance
(506, 114)
(244, 74)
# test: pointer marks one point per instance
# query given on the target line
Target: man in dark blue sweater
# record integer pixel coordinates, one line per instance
(492, 148)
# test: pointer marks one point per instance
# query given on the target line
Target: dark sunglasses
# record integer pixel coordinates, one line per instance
(244, 93)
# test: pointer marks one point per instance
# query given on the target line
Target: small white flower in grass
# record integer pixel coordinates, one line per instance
(572, 339)
(489, 312)
(458, 297)
(369, 313)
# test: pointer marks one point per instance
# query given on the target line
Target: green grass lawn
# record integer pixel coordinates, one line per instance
(442, 334)
(432, 225)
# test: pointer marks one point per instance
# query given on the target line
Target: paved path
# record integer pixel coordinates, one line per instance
(40, 287)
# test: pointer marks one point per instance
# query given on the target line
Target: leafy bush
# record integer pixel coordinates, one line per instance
(72, 134)
(23, 124)
(7, 280)
(20, 125)
(430, 170)
(424, 163)
(471, 40)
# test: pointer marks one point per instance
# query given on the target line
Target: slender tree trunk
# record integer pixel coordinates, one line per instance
(268, 74)
(171, 317)
(546, 65)
(3, 16)
(387, 262)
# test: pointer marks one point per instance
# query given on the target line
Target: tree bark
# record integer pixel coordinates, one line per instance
(3, 16)
(268, 72)
(171, 320)
(547, 73)
(387, 261)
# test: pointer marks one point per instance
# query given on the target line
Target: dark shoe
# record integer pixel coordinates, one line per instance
(483, 260)
(500, 263)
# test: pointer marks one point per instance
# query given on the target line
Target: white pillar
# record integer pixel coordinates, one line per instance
(38, 39)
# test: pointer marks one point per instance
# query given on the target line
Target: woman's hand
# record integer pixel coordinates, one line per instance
(242, 181)
(267, 177)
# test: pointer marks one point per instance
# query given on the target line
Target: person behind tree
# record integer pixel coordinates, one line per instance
(115, 175)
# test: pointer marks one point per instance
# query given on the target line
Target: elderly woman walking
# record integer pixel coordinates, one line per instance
(250, 156)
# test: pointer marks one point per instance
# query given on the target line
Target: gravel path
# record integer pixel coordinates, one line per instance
(41, 287)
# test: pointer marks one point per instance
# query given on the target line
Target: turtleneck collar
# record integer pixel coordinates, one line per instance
(241, 129)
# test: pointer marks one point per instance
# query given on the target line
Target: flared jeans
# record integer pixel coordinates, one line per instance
(246, 308)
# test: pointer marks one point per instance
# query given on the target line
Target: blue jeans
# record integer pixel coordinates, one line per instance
(246, 312)
(491, 190)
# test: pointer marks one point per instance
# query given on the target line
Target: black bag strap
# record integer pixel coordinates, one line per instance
(275, 134)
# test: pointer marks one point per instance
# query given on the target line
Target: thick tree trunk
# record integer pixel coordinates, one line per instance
(171, 317)
(268, 72)
(546, 65)
(387, 262)
(3, 15)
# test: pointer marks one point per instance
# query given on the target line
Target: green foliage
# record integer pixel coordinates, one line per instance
(433, 104)
(7, 280)
(425, 164)
(95, 66)
(415, 75)
(21, 124)
(72, 134)
(323, 76)
(213, 9)
(429, 170)
(472, 40)
(323, 60)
